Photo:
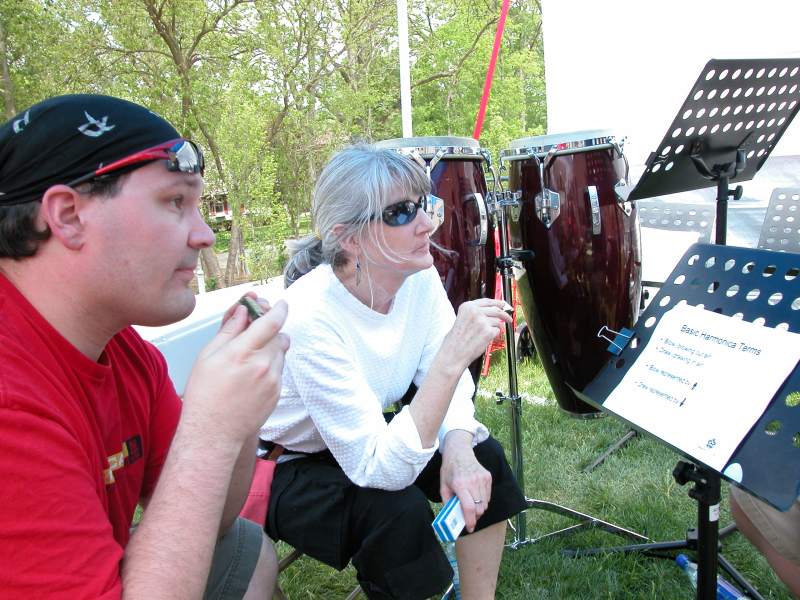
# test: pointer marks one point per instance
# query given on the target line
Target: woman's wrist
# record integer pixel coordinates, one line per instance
(448, 364)
(457, 441)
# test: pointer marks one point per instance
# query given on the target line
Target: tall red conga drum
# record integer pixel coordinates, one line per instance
(581, 255)
(466, 259)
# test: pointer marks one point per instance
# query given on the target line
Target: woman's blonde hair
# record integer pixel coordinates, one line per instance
(352, 190)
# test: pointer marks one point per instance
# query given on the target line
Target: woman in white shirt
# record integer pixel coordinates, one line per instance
(370, 323)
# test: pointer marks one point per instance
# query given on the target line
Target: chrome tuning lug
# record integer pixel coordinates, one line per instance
(548, 207)
(622, 190)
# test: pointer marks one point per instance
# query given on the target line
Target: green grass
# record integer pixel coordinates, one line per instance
(634, 488)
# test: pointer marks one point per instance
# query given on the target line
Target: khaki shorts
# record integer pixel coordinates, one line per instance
(235, 558)
(781, 529)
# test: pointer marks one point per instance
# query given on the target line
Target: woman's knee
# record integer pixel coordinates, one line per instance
(491, 455)
(407, 505)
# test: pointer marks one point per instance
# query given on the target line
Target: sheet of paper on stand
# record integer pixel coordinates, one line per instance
(703, 380)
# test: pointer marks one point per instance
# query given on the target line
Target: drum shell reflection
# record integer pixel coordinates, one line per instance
(578, 278)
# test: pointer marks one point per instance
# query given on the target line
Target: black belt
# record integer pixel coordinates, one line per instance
(271, 450)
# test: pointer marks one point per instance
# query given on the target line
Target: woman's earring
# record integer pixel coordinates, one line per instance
(358, 272)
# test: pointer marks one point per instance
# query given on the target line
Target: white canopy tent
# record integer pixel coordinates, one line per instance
(628, 65)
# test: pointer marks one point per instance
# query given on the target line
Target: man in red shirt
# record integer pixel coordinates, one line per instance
(100, 229)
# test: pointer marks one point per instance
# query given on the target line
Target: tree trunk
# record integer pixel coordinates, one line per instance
(5, 76)
(234, 250)
(211, 267)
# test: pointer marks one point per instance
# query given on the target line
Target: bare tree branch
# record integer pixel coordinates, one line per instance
(462, 60)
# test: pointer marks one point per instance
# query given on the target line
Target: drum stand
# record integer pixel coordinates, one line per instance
(505, 264)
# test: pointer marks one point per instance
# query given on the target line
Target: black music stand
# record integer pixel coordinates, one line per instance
(674, 216)
(729, 123)
(734, 115)
(767, 290)
(781, 228)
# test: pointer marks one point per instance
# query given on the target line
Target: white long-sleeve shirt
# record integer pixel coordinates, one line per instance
(346, 363)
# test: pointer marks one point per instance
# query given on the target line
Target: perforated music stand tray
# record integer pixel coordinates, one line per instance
(781, 228)
(734, 105)
(767, 286)
(770, 459)
(672, 216)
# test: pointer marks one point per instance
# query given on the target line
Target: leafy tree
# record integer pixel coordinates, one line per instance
(455, 41)
(40, 52)
(182, 49)
(271, 88)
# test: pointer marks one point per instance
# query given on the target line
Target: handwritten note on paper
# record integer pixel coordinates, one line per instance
(703, 380)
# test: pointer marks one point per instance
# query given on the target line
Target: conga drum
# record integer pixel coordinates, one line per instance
(577, 241)
(465, 257)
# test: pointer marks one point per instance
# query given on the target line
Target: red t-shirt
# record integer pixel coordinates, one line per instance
(80, 443)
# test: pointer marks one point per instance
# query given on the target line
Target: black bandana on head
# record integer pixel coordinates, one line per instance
(66, 137)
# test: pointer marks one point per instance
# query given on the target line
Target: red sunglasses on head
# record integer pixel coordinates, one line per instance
(181, 155)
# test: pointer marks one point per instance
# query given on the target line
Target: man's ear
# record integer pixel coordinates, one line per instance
(61, 212)
(350, 242)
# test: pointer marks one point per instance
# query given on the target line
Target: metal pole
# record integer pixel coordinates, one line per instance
(506, 269)
(405, 73)
(722, 210)
(708, 498)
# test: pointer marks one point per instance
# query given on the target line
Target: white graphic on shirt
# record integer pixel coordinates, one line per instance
(21, 123)
(102, 126)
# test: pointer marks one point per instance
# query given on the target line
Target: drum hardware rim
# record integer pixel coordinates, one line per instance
(430, 141)
(571, 140)
(497, 201)
(424, 163)
(487, 156)
(515, 210)
(492, 201)
(543, 151)
(622, 191)
(582, 416)
(622, 196)
(626, 207)
(621, 154)
(428, 157)
(547, 211)
(447, 152)
(568, 137)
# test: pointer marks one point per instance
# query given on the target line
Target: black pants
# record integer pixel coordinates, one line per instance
(387, 534)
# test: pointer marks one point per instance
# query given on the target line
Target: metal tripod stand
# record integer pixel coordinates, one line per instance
(500, 202)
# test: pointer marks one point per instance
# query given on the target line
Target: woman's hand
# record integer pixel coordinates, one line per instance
(462, 475)
(477, 323)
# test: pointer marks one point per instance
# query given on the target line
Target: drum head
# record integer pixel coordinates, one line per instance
(428, 146)
(574, 140)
